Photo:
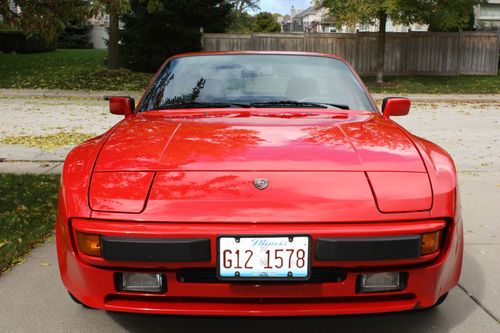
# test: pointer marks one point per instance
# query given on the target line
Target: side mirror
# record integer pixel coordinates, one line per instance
(121, 105)
(395, 106)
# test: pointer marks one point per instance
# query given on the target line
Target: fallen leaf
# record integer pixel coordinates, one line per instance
(19, 260)
(48, 142)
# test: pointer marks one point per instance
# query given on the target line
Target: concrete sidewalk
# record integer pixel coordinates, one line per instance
(21, 167)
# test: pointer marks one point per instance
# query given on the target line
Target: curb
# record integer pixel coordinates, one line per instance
(54, 93)
(451, 98)
(99, 95)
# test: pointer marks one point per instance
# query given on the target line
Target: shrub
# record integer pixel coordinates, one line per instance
(17, 41)
(76, 36)
(265, 22)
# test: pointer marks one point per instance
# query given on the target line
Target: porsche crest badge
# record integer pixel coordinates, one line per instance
(260, 183)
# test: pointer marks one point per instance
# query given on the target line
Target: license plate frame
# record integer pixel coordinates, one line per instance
(261, 278)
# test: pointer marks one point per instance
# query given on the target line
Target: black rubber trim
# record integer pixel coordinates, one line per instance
(156, 249)
(209, 275)
(368, 248)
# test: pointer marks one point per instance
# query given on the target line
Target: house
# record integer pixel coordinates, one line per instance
(390, 26)
(316, 19)
(99, 33)
(487, 16)
(313, 19)
(13, 8)
(292, 23)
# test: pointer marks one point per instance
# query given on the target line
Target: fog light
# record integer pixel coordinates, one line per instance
(142, 282)
(387, 281)
(430, 242)
(89, 244)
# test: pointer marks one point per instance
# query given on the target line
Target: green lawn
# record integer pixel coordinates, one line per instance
(66, 69)
(28, 206)
(436, 85)
(85, 69)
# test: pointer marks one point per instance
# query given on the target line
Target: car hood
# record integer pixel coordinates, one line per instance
(319, 167)
(279, 141)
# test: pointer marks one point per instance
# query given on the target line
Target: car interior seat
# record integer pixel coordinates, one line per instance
(300, 88)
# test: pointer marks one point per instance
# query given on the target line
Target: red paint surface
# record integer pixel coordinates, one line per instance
(124, 192)
(401, 191)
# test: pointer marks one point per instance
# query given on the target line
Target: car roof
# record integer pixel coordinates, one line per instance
(300, 53)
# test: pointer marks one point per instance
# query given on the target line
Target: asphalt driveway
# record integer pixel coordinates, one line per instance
(32, 298)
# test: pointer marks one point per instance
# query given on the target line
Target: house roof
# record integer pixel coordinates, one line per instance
(308, 11)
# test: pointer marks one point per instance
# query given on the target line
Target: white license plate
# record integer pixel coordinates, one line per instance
(261, 258)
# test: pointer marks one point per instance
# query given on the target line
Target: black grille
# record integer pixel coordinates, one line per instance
(208, 275)
(156, 249)
(368, 248)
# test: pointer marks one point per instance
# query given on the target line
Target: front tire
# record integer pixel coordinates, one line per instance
(77, 301)
(440, 300)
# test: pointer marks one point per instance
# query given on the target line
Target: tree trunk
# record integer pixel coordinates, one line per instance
(381, 48)
(114, 36)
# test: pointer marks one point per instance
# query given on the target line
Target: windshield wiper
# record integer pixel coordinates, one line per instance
(192, 104)
(283, 103)
(286, 103)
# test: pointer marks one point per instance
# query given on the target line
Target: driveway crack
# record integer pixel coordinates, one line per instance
(478, 302)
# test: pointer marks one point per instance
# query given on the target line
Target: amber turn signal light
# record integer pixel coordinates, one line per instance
(430, 242)
(89, 244)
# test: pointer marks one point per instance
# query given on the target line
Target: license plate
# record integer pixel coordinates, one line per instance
(264, 258)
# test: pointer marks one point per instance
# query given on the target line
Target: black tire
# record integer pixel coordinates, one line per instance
(441, 300)
(77, 301)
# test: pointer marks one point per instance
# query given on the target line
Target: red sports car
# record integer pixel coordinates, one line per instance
(258, 184)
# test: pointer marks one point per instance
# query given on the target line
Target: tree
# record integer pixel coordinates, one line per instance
(45, 18)
(241, 23)
(115, 9)
(450, 13)
(75, 36)
(266, 22)
(244, 5)
(48, 18)
(150, 37)
(244, 23)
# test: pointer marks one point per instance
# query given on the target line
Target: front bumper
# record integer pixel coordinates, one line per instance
(92, 280)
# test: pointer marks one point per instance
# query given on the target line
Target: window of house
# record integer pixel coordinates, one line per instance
(490, 11)
(364, 27)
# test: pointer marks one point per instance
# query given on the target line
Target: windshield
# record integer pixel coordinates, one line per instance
(255, 80)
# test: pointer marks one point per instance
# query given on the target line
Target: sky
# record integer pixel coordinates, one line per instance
(282, 6)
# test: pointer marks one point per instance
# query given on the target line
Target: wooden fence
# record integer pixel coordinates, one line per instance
(422, 53)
